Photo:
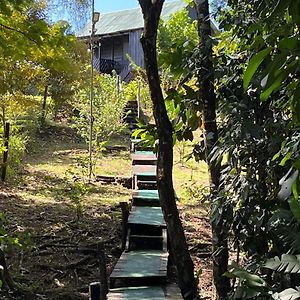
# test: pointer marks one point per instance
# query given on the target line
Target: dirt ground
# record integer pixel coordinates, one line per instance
(59, 256)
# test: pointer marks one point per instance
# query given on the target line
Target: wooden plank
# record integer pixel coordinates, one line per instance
(146, 215)
(141, 264)
(144, 170)
(146, 158)
(137, 293)
(172, 292)
(145, 197)
(150, 156)
(145, 152)
(145, 194)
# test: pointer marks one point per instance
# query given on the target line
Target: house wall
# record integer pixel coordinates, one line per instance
(114, 48)
(112, 51)
(135, 49)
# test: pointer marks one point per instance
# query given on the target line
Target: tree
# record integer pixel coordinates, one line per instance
(208, 99)
(256, 79)
(186, 280)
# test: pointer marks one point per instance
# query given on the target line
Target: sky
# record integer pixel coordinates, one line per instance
(104, 6)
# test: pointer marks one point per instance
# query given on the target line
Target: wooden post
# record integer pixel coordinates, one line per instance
(103, 273)
(5, 153)
(138, 98)
(94, 293)
(125, 214)
(118, 84)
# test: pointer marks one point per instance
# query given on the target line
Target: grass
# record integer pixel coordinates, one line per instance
(53, 170)
(190, 177)
(54, 166)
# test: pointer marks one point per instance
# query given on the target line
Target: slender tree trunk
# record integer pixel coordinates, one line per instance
(5, 277)
(151, 10)
(208, 97)
(5, 152)
(44, 107)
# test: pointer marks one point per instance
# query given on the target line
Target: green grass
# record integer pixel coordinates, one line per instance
(54, 167)
(190, 177)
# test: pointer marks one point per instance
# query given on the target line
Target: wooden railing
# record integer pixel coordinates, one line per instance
(107, 65)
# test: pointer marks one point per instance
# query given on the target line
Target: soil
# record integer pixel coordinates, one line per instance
(59, 257)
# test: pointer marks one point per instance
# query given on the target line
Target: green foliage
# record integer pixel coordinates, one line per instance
(131, 92)
(77, 191)
(108, 107)
(177, 40)
(249, 286)
(288, 263)
(288, 294)
(253, 65)
(256, 80)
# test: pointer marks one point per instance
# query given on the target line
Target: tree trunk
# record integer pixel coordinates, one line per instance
(7, 281)
(151, 11)
(208, 97)
(5, 152)
(44, 107)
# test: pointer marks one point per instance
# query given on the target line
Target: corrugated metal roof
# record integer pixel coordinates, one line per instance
(126, 20)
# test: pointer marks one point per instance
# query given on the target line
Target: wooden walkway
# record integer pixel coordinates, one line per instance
(141, 272)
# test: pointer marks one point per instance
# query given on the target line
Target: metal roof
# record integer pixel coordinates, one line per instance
(126, 20)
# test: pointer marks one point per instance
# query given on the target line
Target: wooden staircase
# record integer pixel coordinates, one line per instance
(141, 272)
(130, 114)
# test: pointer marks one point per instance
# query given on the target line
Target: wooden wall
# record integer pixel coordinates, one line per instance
(135, 49)
(117, 47)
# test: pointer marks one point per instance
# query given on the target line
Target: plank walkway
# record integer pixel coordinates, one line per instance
(141, 271)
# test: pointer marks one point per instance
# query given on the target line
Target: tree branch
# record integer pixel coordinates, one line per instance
(18, 31)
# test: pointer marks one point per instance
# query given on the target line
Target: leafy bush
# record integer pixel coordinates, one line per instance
(108, 107)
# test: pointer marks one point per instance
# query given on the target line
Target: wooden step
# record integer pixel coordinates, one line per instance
(142, 237)
(143, 158)
(146, 174)
(144, 170)
(146, 215)
(145, 179)
(136, 144)
(137, 293)
(146, 184)
(142, 242)
(136, 266)
(145, 198)
(145, 194)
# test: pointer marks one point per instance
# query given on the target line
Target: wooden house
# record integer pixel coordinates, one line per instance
(118, 35)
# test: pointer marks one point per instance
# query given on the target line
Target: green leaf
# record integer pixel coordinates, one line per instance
(294, 10)
(289, 43)
(288, 294)
(286, 183)
(253, 65)
(295, 188)
(286, 158)
(251, 280)
(296, 103)
(287, 264)
(295, 208)
(296, 163)
(280, 6)
(275, 82)
(275, 85)
(244, 292)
